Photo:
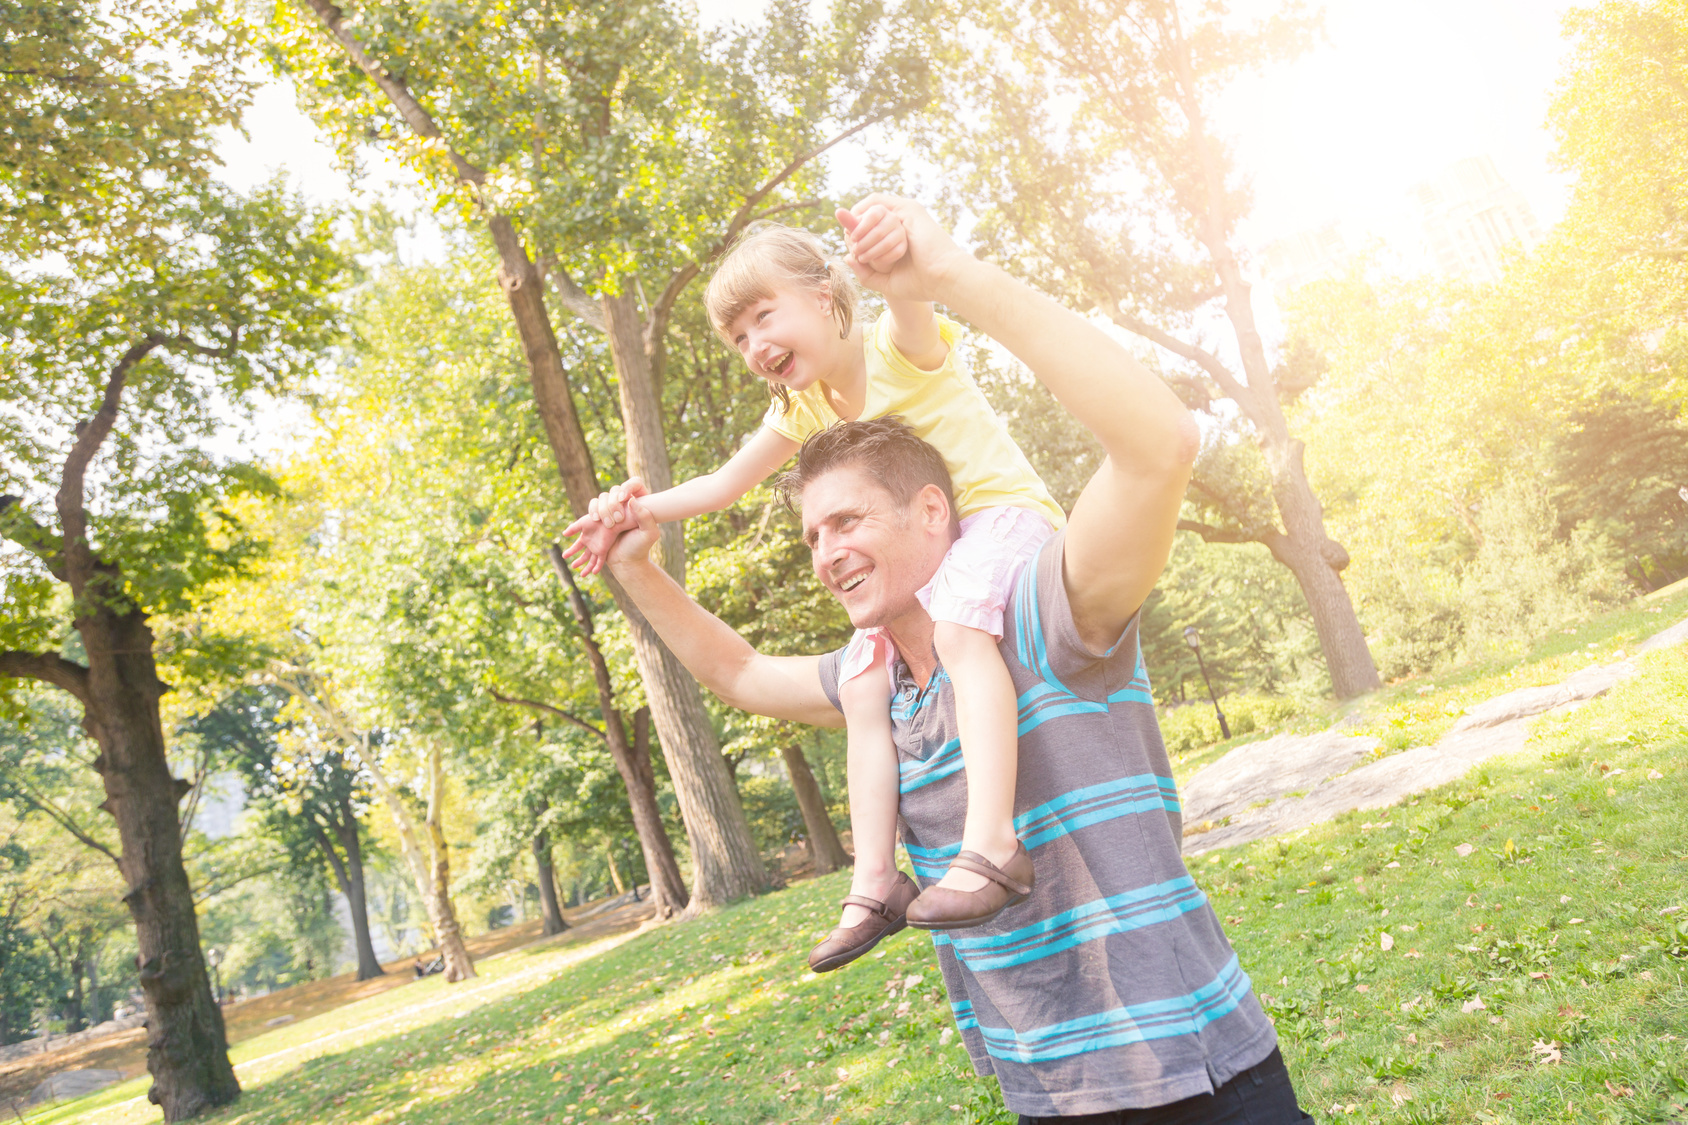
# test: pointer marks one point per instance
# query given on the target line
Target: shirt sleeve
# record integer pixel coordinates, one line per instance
(886, 351)
(1044, 627)
(799, 421)
(829, 665)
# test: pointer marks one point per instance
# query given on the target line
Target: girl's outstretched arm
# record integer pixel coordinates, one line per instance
(607, 516)
(877, 239)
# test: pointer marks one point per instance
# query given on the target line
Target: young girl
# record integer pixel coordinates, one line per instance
(790, 312)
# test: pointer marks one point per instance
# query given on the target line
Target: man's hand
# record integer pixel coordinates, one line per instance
(597, 530)
(897, 249)
(637, 539)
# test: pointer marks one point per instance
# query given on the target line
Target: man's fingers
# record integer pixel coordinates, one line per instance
(846, 219)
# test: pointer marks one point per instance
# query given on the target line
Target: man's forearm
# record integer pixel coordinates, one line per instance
(706, 645)
(723, 661)
(1135, 416)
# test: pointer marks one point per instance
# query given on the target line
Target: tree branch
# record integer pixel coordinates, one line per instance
(90, 435)
(20, 527)
(61, 818)
(549, 710)
(747, 213)
(1203, 358)
(1213, 534)
(575, 299)
(47, 667)
(419, 119)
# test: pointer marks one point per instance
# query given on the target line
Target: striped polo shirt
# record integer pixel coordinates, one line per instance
(1112, 986)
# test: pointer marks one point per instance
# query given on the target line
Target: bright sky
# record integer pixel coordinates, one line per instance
(1398, 92)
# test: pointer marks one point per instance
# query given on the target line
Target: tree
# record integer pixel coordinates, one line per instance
(1094, 172)
(153, 298)
(590, 140)
(308, 795)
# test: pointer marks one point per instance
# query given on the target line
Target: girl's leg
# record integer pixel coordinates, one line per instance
(985, 711)
(871, 768)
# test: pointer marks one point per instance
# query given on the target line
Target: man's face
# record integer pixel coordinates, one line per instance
(870, 551)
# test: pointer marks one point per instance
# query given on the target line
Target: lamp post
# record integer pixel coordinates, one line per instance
(214, 957)
(1195, 643)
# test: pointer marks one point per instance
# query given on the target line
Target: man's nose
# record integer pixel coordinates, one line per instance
(829, 549)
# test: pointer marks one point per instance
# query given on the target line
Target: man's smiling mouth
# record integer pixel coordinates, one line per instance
(852, 582)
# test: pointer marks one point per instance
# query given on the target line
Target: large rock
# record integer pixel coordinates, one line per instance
(1674, 635)
(72, 1084)
(1247, 791)
(1267, 770)
(1594, 680)
(1375, 786)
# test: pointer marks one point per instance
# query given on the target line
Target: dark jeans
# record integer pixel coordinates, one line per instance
(1260, 1095)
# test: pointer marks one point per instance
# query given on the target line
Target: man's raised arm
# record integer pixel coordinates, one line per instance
(1122, 527)
(781, 687)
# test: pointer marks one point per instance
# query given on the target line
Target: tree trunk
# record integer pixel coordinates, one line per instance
(441, 915)
(1315, 559)
(822, 837)
(187, 1046)
(348, 874)
(726, 865)
(458, 965)
(546, 877)
(632, 761)
(615, 872)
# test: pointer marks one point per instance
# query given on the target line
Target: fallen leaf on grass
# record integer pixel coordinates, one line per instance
(1386, 942)
(1547, 1053)
(1475, 1004)
(1618, 1091)
(1655, 775)
(1463, 850)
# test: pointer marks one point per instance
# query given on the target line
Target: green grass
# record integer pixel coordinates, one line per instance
(1555, 918)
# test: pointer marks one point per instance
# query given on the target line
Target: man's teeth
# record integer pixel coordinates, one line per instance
(852, 582)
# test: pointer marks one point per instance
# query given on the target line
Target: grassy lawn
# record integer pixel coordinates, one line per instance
(1507, 949)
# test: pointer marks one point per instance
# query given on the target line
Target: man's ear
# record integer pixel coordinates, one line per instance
(934, 509)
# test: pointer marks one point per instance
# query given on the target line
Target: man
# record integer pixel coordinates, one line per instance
(1110, 994)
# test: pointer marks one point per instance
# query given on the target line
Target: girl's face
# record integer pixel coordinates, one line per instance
(789, 337)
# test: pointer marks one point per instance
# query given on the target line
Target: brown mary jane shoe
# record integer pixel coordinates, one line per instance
(940, 908)
(846, 943)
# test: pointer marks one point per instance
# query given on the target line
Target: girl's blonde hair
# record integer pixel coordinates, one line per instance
(769, 257)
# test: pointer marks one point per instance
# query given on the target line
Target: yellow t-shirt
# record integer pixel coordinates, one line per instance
(946, 408)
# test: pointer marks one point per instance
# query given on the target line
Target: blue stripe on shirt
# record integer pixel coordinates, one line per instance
(1117, 914)
(1133, 1023)
(1066, 814)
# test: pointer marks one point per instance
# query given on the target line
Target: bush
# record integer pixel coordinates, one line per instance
(1194, 726)
(771, 808)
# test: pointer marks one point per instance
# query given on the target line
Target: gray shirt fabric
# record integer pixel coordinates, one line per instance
(1112, 986)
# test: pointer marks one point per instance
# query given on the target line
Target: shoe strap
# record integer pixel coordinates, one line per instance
(872, 904)
(979, 865)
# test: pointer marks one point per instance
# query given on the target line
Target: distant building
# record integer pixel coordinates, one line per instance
(1469, 216)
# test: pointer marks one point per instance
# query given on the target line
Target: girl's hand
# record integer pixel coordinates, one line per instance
(606, 517)
(902, 252)
(875, 236)
(592, 544)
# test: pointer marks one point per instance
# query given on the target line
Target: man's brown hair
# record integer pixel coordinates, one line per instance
(887, 449)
